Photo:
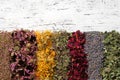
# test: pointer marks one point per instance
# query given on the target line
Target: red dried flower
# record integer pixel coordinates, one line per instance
(79, 63)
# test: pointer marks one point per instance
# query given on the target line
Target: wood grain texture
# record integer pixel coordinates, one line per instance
(70, 15)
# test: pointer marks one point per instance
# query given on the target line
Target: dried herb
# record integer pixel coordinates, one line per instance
(45, 56)
(62, 58)
(94, 49)
(111, 64)
(5, 43)
(79, 64)
(22, 62)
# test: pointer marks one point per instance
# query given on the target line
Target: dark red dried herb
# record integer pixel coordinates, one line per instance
(23, 55)
(79, 64)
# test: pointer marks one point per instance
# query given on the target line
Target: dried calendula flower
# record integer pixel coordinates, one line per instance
(45, 56)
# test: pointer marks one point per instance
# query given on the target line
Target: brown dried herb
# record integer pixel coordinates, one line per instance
(5, 43)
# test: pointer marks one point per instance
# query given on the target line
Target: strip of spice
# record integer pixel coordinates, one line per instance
(5, 44)
(45, 56)
(79, 64)
(111, 63)
(22, 61)
(94, 49)
(62, 57)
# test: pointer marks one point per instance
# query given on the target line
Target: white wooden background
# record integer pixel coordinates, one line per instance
(70, 15)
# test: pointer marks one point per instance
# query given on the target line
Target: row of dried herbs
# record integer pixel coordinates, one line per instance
(111, 64)
(62, 57)
(22, 60)
(59, 55)
(5, 44)
(94, 49)
(78, 62)
(45, 56)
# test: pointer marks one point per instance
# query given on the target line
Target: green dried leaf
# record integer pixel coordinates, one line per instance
(111, 64)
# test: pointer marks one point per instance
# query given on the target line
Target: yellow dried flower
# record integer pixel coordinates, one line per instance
(45, 56)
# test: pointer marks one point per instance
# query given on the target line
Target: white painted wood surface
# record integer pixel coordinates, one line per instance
(70, 15)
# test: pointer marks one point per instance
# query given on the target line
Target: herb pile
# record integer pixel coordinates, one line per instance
(22, 61)
(29, 55)
(5, 43)
(45, 56)
(111, 64)
(62, 58)
(79, 64)
(94, 49)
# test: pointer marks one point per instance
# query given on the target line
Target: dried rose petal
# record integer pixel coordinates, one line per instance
(79, 63)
